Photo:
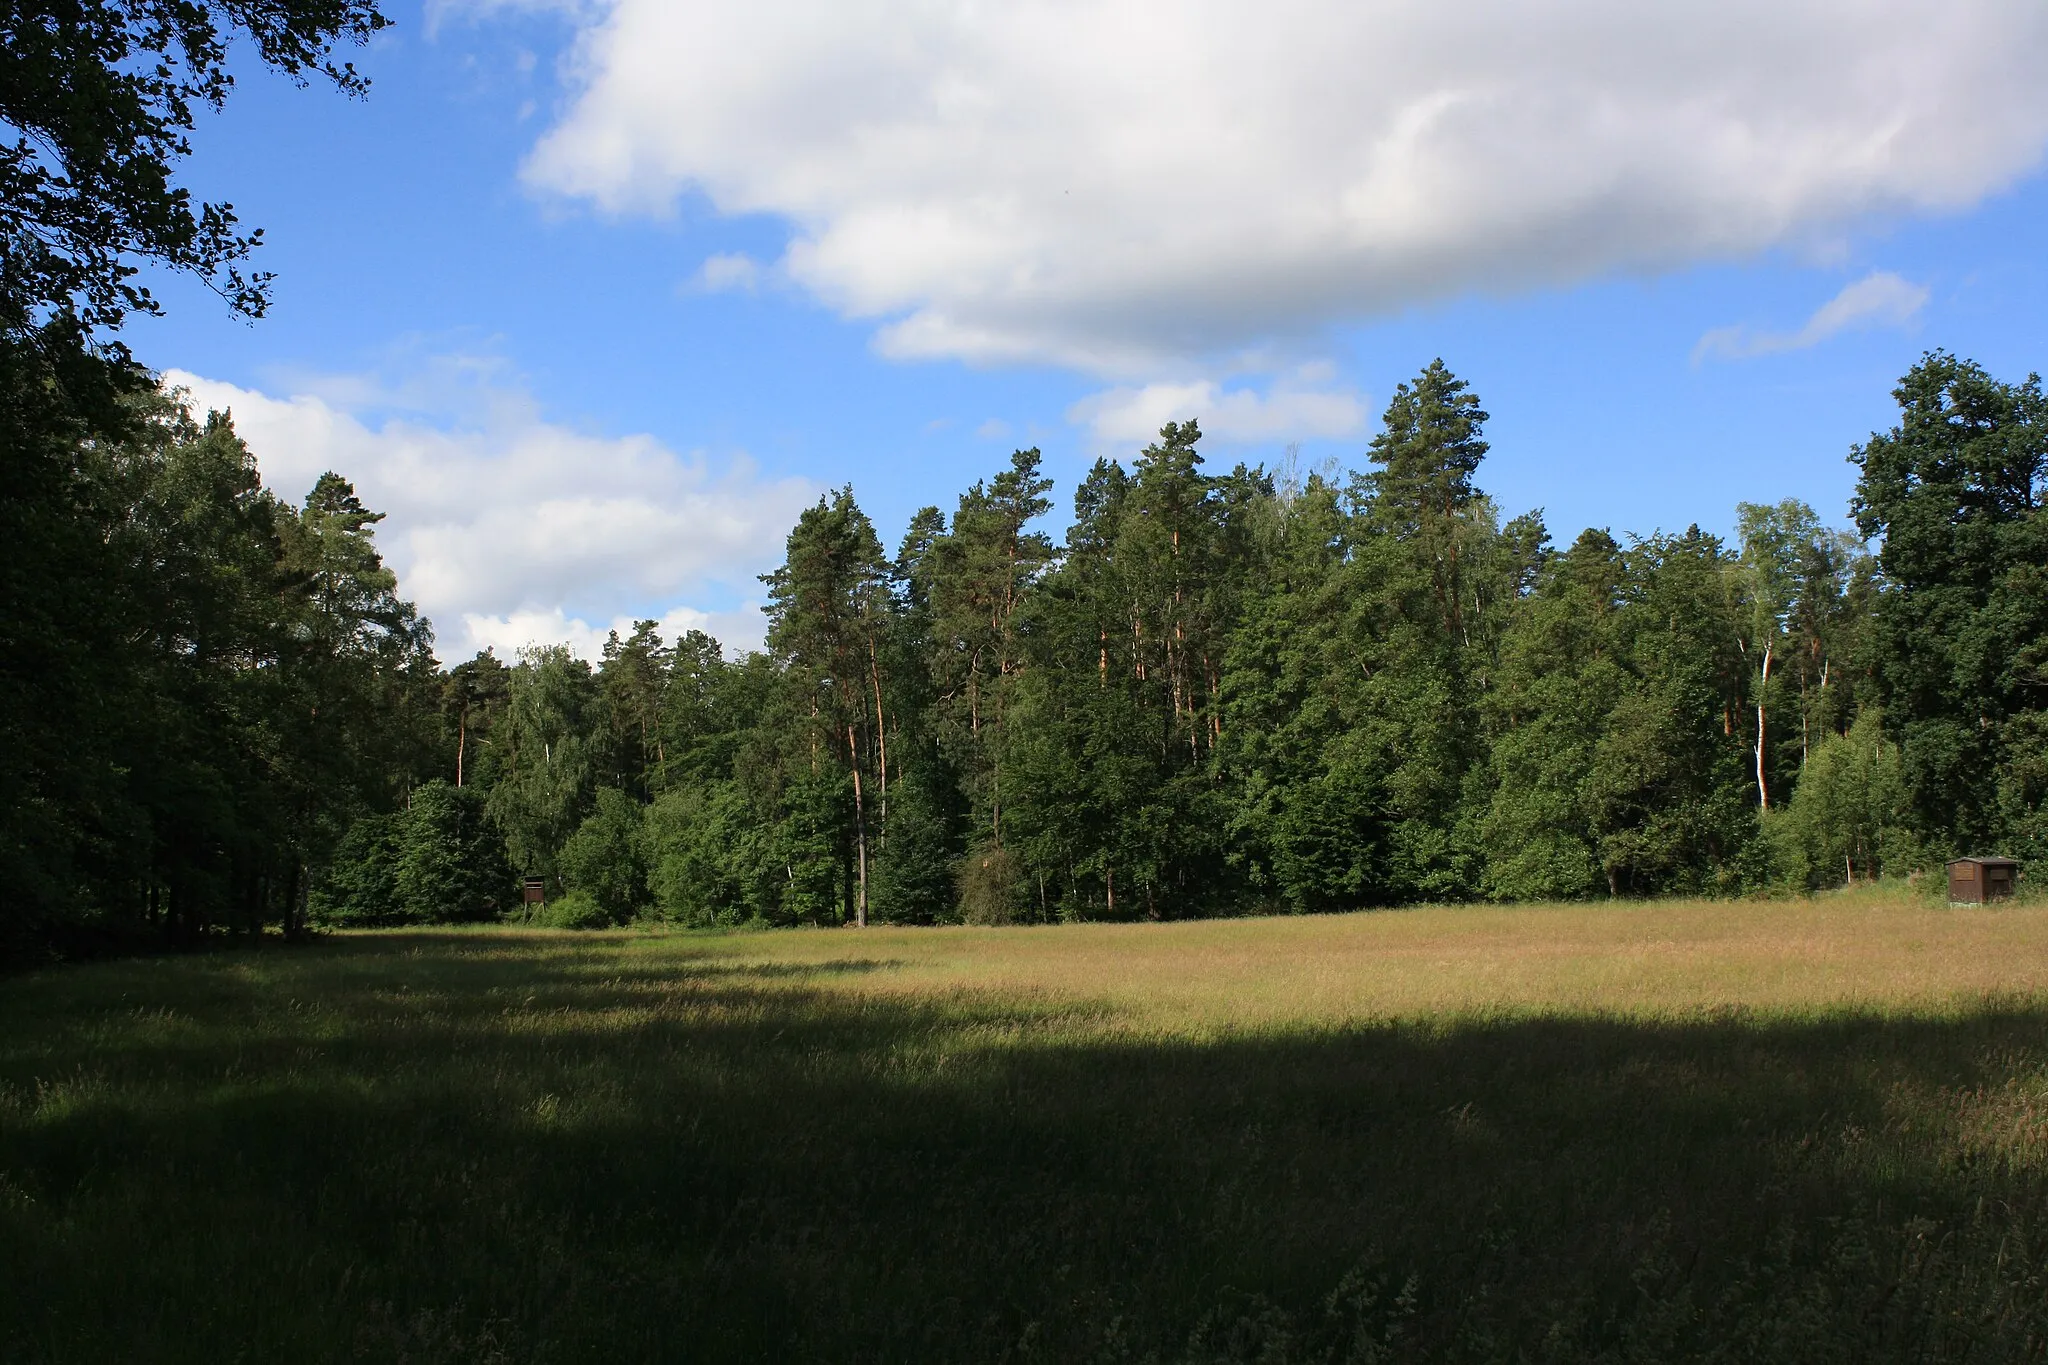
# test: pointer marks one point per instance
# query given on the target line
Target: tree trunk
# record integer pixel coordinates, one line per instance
(1763, 795)
(860, 834)
(295, 903)
(881, 736)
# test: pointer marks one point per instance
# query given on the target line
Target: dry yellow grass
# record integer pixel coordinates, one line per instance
(1868, 950)
(1750, 1131)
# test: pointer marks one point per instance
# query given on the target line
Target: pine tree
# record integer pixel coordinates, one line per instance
(829, 615)
(631, 678)
(473, 699)
(971, 581)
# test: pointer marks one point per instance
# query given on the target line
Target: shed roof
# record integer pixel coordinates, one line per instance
(1986, 862)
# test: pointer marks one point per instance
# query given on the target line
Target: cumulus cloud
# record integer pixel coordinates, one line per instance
(1292, 408)
(508, 529)
(738, 631)
(1124, 185)
(1879, 299)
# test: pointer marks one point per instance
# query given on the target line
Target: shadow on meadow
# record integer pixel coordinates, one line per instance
(452, 1148)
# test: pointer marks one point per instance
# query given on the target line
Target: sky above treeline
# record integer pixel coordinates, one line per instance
(592, 298)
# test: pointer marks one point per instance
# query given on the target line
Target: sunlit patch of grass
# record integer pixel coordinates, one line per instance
(1789, 1130)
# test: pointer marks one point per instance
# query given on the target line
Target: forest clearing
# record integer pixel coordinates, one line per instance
(868, 683)
(1796, 1129)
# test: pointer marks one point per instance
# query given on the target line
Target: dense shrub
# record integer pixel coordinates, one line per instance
(439, 860)
(361, 885)
(451, 860)
(706, 857)
(603, 859)
(990, 883)
(576, 910)
(1848, 818)
(912, 881)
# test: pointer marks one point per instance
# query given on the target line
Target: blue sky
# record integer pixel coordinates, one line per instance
(494, 308)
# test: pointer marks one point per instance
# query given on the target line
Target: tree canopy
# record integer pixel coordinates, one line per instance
(97, 99)
(1220, 692)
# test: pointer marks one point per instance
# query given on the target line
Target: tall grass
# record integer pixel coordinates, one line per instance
(1799, 1131)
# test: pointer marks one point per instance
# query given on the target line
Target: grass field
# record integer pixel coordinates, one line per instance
(1777, 1131)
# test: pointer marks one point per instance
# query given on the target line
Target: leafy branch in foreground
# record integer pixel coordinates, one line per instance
(97, 98)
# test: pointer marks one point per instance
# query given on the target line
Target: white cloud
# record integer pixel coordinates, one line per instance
(738, 631)
(1129, 185)
(723, 273)
(994, 429)
(1291, 409)
(1879, 299)
(507, 529)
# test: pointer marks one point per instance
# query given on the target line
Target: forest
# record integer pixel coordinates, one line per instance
(1261, 690)
(1266, 689)
(1749, 1123)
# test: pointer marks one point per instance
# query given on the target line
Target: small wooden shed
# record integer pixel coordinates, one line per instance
(534, 891)
(1974, 881)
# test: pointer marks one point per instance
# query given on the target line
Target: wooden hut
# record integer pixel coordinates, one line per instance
(1975, 881)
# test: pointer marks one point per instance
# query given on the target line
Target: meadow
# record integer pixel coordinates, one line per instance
(1802, 1130)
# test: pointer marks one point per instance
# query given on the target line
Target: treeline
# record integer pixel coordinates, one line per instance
(1221, 693)
(1253, 690)
(202, 687)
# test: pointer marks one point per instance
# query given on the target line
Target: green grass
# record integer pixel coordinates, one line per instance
(1799, 1131)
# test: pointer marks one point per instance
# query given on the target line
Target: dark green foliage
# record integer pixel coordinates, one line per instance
(439, 860)
(553, 748)
(200, 687)
(708, 860)
(707, 707)
(1262, 690)
(473, 701)
(971, 581)
(810, 847)
(1958, 637)
(914, 881)
(632, 679)
(829, 612)
(990, 884)
(62, 676)
(204, 686)
(1563, 670)
(575, 910)
(1328, 839)
(605, 860)
(1668, 792)
(1226, 692)
(1850, 817)
(361, 886)
(96, 100)
(451, 858)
